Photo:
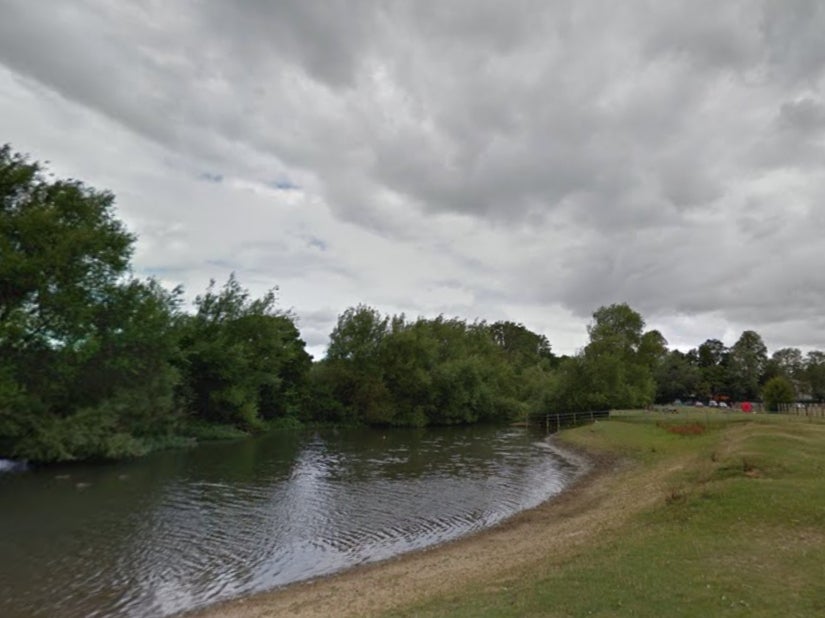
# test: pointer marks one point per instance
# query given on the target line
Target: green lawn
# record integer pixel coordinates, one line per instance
(741, 531)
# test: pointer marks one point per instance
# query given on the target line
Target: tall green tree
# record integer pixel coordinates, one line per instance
(676, 378)
(712, 358)
(357, 336)
(243, 358)
(790, 362)
(815, 374)
(355, 375)
(652, 350)
(61, 250)
(85, 350)
(617, 369)
(616, 329)
(711, 353)
(748, 361)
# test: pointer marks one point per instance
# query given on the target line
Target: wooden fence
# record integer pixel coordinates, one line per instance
(554, 421)
(803, 409)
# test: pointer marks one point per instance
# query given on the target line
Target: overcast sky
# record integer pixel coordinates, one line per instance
(524, 160)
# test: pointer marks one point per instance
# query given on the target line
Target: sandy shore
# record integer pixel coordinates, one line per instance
(604, 496)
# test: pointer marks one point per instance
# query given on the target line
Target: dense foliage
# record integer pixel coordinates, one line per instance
(95, 363)
(390, 371)
(243, 360)
(777, 390)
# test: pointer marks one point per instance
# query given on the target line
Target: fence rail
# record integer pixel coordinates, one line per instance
(555, 421)
(803, 409)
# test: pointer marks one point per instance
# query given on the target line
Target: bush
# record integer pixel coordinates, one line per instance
(776, 391)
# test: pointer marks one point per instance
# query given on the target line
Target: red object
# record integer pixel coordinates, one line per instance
(746, 406)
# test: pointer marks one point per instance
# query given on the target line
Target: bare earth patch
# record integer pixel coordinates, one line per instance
(601, 500)
(690, 429)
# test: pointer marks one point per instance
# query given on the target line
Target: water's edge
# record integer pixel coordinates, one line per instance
(183, 530)
(581, 461)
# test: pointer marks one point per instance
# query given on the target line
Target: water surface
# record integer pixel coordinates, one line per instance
(182, 529)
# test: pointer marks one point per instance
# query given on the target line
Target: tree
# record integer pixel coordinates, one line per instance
(616, 328)
(357, 335)
(676, 378)
(388, 371)
(522, 346)
(353, 365)
(615, 370)
(776, 391)
(748, 361)
(815, 374)
(85, 350)
(127, 360)
(789, 362)
(61, 248)
(711, 353)
(652, 349)
(244, 360)
(712, 358)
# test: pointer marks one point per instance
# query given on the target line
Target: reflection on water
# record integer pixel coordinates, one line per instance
(183, 529)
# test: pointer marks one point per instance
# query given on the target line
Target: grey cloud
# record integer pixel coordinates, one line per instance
(794, 42)
(713, 36)
(326, 39)
(793, 139)
(805, 116)
(504, 143)
(668, 152)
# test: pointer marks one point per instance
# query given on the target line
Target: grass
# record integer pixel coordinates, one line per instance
(740, 530)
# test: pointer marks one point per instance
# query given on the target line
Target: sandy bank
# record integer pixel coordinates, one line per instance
(603, 497)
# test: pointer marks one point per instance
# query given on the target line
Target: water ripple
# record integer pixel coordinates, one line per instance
(178, 531)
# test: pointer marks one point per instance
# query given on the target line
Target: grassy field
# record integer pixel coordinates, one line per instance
(739, 529)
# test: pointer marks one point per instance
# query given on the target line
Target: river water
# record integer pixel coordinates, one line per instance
(181, 529)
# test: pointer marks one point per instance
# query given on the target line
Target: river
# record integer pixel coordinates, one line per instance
(181, 529)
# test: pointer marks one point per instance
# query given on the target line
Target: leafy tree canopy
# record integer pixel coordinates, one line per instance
(61, 251)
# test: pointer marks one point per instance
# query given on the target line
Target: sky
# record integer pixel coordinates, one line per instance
(526, 160)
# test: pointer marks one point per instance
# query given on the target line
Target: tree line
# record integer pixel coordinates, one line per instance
(97, 363)
(741, 372)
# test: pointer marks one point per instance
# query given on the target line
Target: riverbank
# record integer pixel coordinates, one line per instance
(411, 577)
(679, 515)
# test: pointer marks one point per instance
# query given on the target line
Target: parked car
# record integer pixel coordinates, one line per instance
(699, 404)
(722, 404)
(713, 404)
